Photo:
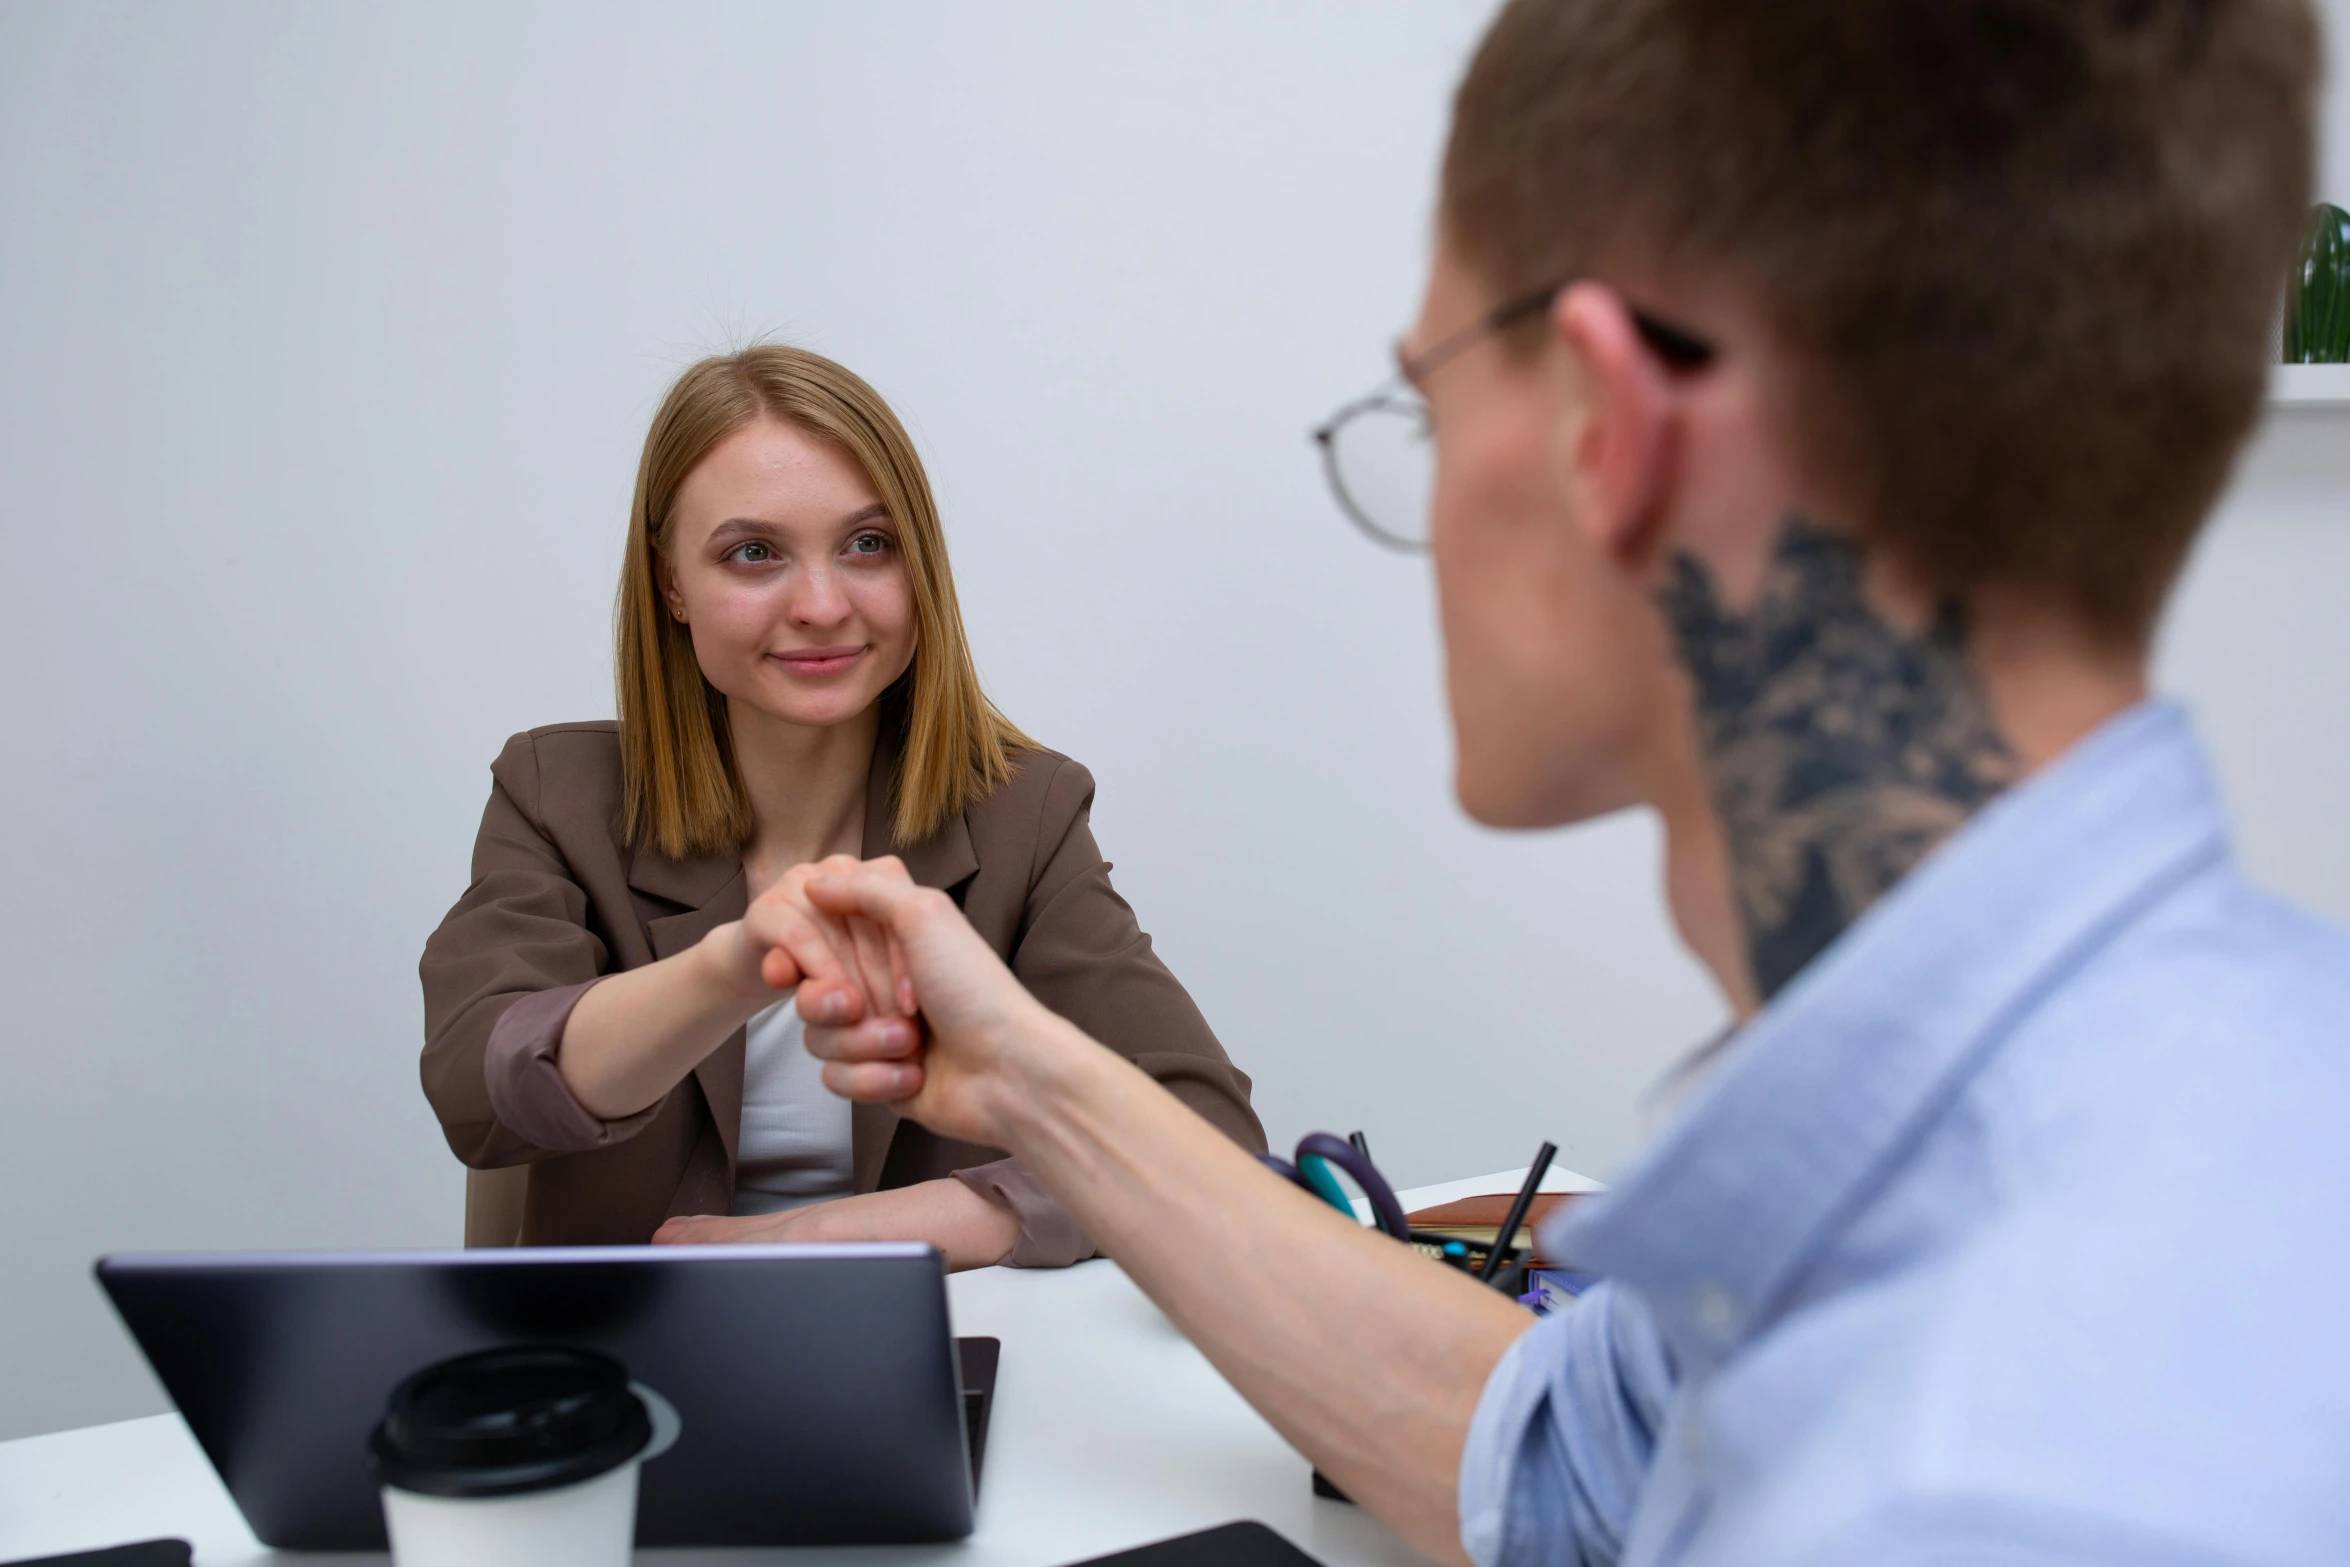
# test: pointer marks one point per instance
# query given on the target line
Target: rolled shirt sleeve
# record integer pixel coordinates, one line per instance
(1049, 1237)
(518, 942)
(1563, 1437)
(526, 1086)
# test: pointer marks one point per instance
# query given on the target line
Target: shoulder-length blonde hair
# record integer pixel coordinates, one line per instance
(681, 791)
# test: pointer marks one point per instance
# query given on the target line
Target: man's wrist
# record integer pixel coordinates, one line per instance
(1058, 1073)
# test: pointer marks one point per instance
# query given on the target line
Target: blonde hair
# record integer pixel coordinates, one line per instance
(681, 791)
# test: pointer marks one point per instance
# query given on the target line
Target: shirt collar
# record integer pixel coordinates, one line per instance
(1827, 1089)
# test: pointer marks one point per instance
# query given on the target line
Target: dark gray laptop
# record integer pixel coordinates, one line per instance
(820, 1395)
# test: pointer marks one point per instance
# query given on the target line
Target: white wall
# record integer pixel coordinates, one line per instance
(327, 335)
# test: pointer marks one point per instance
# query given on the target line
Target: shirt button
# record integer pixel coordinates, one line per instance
(1716, 1311)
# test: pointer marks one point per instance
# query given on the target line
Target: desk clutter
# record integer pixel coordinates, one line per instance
(1490, 1237)
(1477, 1221)
(1541, 1285)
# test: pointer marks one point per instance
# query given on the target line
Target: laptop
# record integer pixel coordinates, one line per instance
(815, 1394)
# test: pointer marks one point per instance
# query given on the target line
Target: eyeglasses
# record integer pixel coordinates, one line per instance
(1379, 453)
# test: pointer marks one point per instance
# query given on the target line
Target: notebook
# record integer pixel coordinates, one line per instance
(1479, 1219)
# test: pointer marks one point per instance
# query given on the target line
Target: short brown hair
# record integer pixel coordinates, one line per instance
(2022, 256)
(680, 789)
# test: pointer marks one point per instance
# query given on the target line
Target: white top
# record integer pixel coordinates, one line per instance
(794, 1148)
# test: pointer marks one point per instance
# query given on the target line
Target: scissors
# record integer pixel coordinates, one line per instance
(1316, 1153)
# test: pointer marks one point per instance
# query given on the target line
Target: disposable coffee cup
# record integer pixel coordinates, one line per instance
(520, 1457)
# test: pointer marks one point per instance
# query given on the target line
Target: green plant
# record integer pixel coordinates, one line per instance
(2317, 305)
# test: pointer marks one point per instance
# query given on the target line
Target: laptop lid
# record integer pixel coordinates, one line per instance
(816, 1388)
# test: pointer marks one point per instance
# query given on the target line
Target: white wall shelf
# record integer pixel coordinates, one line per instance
(2310, 386)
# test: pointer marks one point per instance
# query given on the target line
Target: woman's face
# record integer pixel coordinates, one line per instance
(786, 567)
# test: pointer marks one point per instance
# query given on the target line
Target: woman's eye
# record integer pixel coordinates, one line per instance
(752, 553)
(869, 544)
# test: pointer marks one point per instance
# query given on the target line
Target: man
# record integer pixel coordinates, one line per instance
(1826, 394)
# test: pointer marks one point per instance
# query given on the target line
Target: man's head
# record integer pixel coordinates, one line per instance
(1992, 282)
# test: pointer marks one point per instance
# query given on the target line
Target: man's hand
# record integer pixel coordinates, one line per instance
(975, 1051)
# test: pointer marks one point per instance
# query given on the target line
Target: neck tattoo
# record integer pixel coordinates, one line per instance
(1839, 749)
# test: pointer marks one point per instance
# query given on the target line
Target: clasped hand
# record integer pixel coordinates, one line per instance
(906, 1006)
(904, 1003)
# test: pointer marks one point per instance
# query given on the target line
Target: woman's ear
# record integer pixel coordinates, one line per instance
(1619, 437)
(666, 580)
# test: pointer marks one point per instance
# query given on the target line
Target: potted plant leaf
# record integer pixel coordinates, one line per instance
(2317, 301)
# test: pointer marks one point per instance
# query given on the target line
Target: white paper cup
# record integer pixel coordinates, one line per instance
(591, 1523)
(520, 1457)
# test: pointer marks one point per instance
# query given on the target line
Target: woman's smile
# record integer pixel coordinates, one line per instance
(815, 663)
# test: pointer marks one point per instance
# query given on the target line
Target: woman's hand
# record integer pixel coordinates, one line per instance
(783, 939)
(981, 1045)
(971, 1231)
(718, 1229)
(635, 1035)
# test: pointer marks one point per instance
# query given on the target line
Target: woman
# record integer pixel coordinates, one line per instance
(609, 1003)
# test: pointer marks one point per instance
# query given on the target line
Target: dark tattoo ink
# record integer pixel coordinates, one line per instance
(1839, 749)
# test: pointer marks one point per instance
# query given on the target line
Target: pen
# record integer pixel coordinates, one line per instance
(1525, 1200)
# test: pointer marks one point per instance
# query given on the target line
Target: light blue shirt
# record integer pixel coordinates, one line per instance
(2016, 1230)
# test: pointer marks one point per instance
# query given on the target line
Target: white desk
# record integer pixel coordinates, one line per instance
(1109, 1430)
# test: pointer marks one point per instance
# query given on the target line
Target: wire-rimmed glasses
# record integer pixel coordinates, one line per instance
(1380, 457)
(1379, 451)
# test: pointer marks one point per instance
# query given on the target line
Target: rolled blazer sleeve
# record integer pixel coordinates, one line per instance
(1084, 955)
(501, 976)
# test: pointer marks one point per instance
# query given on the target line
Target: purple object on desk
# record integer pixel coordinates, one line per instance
(1553, 1289)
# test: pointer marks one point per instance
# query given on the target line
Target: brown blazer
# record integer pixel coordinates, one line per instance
(558, 901)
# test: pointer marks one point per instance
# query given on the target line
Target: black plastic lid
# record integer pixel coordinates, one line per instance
(506, 1421)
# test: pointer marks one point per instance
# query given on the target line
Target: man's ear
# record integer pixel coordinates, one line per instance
(1618, 449)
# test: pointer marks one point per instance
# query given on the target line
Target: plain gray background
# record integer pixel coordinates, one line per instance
(327, 338)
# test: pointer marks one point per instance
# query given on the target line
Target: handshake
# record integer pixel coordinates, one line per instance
(904, 1002)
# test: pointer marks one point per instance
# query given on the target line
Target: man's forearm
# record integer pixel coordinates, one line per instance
(1366, 1356)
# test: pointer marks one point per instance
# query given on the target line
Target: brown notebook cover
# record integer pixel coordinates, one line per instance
(1478, 1218)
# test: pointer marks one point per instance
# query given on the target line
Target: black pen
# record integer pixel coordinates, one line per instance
(1509, 1228)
